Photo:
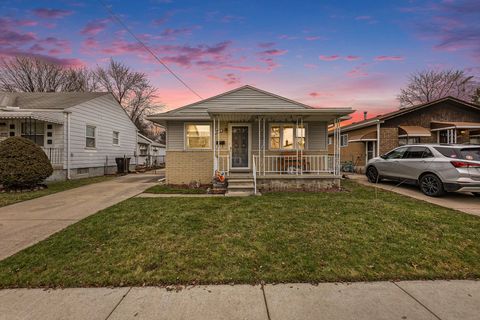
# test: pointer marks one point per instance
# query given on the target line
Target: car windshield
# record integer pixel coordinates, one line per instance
(470, 154)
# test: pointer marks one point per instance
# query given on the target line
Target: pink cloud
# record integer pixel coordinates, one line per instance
(176, 32)
(274, 52)
(329, 58)
(12, 37)
(94, 27)
(389, 58)
(287, 37)
(310, 66)
(47, 13)
(60, 61)
(358, 71)
(352, 58)
(229, 78)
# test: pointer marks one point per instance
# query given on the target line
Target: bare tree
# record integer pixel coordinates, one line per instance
(426, 86)
(476, 96)
(131, 89)
(81, 80)
(30, 75)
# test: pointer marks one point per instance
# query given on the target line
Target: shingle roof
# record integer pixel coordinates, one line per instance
(46, 100)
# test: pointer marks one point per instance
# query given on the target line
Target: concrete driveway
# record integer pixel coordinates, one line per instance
(26, 223)
(464, 202)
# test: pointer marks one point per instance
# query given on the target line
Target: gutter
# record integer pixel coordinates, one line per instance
(68, 114)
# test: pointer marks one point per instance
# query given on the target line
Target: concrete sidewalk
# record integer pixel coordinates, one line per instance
(26, 223)
(375, 300)
(464, 202)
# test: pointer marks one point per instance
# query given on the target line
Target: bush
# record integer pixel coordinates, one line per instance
(23, 164)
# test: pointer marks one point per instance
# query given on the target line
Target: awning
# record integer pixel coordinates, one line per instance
(365, 136)
(52, 117)
(444, 125)
(413, 131)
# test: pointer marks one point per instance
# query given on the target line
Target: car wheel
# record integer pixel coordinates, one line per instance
(372, 175)
(431, 185)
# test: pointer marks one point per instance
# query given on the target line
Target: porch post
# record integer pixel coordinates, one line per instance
(214, 145)
(259, 144)
(264, 143)
(304, 132)
(296, 145)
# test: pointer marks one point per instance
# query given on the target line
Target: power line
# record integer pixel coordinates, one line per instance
(110, 11)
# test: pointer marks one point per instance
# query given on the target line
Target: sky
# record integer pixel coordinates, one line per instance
(355, 54)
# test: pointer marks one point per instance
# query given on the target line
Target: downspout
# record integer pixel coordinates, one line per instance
(378, 139)
(68, 145)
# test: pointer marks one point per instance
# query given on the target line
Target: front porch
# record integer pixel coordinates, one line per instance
(276, 152)
(45, 130)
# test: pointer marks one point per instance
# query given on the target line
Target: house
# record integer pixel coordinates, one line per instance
(81, 132)
(256, 138)
(149, 153)
(447, 120)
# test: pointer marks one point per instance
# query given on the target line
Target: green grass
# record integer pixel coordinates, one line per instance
(8, 198)
(280, 237)
(174, 190)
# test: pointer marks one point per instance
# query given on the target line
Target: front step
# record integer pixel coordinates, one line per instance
(240, 186)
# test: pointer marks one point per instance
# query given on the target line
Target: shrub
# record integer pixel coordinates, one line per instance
(23, 164)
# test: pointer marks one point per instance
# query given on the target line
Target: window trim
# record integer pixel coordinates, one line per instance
(118, 138)
(281, 125)
(94, 136)
(185, 138)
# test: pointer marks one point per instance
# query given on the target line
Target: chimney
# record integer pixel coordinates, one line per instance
(364, 115)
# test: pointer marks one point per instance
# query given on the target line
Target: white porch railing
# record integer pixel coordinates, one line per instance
(55, 155)
(293, 164)
(222, 164)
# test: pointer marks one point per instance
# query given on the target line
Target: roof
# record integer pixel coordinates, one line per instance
(400, 112)
(46, 100)
(246, 100)
(145, 140)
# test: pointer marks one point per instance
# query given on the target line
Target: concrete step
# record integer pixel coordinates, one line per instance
(238, 193)
(233, 181)
(241, 186)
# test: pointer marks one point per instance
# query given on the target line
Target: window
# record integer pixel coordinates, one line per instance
(285, 137)
(116, 138)
(330, 140)
(90, 136)
(33, 131)
(410, 140)
(396, 154)
(198, 136)
(82, 171)
(344, 140)
(143, 150)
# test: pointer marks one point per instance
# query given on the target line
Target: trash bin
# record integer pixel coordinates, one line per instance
(123, 165)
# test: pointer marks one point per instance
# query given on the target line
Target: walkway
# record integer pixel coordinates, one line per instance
(464, 202)
(26, 223)
(375, 300)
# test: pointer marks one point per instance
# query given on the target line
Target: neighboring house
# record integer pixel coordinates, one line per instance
(81, 132)
(150, 153)
(447, 120)
(253, 136)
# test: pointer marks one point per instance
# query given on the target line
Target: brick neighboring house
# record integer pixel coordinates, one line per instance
(256, 138)
(447, 120)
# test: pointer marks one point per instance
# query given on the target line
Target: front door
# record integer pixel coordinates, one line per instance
(240, 146)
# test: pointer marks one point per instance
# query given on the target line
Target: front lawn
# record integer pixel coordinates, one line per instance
(7, 198)
(167, 189)
(281, 237)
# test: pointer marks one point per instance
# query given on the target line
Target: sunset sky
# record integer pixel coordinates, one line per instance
(323, 53)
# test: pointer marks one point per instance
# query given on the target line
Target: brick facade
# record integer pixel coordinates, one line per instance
(183, 167)
(388, 139)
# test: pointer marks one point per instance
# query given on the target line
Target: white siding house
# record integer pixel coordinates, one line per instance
(81, 133)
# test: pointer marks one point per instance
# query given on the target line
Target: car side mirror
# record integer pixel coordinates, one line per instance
(383, 156)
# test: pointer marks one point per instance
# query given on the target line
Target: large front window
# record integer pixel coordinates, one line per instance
(34, 131)
(198, 136)
(285, 137)
(90, 137)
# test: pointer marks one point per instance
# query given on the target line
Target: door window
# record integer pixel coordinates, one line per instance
(240, 147)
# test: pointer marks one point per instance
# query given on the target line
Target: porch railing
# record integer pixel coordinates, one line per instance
(223, 164)
(293, 164)
(55, 155)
